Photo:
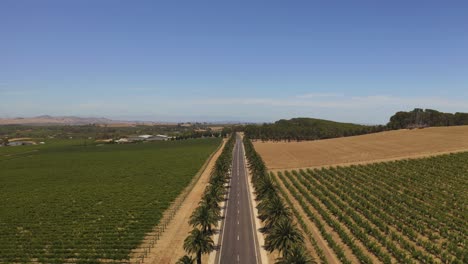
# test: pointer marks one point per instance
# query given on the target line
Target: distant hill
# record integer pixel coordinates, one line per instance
(67, 120)
(307, 129)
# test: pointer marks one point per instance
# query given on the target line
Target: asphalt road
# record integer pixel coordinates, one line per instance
(238, 237)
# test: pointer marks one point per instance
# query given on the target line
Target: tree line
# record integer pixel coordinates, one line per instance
(206, 216)
(298, 129)
(282, 233)
(196, 134)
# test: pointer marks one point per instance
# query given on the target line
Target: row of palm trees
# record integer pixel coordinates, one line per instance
(206, 216)
(282, 234)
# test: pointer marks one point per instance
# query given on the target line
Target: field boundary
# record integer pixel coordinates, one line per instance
(149, 242)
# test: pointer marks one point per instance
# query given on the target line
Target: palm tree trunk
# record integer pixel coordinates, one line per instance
(199, 257)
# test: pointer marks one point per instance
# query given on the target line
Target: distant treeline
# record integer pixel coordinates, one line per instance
(298, 129)
(203, 134)
(426, 118)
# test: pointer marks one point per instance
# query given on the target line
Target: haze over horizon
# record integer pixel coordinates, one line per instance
(248, 61)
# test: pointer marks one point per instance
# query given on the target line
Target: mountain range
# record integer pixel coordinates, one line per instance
(67, 120)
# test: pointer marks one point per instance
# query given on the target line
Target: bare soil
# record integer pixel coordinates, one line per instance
(383, 146)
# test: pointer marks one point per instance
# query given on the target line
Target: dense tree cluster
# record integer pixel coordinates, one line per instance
(298, 129)
(426, 118)
(282, 234)
(197, 134)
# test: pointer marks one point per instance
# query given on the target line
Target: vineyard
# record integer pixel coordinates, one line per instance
(90, 203)
(408, 211)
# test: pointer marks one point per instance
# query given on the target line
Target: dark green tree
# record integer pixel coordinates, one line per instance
(297, 255)
(272, 211)
(283, 236)
(204, 217)
(198, 242)
(186, 260)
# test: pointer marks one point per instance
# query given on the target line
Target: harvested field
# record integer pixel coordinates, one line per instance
(384, 146)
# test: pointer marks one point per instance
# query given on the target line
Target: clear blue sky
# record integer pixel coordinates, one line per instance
(356, 61)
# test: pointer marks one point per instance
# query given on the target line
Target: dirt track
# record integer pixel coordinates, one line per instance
(384, 146)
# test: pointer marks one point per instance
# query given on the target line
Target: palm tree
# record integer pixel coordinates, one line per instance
(272, 211)
(283, 236)
(264, 188)
(216, 179)
(198, 242)
(186, 260)
(212, 203)
(297, 255)
(214, 193)
(204, 217)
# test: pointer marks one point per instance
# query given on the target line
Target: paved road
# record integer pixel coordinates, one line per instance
(238, 238)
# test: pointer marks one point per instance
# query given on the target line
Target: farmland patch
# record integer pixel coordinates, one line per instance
(83, 202)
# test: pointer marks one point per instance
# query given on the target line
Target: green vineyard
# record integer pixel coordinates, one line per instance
(70, 202)
(409, 211)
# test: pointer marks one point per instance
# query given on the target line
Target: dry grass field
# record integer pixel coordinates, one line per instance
(384, 146)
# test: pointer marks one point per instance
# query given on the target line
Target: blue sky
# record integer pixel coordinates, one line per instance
(355, 61)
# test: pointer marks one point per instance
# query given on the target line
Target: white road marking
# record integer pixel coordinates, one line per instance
(240, 150)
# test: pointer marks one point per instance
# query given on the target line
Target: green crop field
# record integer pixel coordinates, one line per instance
(66, 200)
(409, 211)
